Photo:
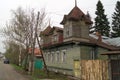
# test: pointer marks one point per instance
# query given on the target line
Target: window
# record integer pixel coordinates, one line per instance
(49, 56)
(52, 57)
(64, 56)
(67, 32)
(58, 56)
(45, 56)
(92, 53)
(54, 38)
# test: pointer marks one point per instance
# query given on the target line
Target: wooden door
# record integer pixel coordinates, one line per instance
(115, 69)
(77, 68)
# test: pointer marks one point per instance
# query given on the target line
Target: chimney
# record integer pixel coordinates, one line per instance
(99, 37)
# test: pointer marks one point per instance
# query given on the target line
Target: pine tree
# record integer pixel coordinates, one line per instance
(116, 21)
(101, 21)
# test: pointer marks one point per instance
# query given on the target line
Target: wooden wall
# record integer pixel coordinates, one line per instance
(93, 70)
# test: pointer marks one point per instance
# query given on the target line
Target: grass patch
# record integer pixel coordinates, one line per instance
(41, 74)
(21, 70)
(17, 67)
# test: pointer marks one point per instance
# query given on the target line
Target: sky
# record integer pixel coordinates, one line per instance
(55, 9)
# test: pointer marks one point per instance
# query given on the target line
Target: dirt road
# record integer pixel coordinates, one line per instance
(8, 73)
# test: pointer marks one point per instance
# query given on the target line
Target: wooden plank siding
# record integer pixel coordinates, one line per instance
(92, 70)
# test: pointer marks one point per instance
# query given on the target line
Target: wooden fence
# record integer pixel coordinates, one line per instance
(92, 70)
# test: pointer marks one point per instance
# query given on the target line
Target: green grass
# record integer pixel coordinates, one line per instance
(17, 67)
(40, 74)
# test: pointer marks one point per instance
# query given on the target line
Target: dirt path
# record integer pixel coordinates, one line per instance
(8, 73)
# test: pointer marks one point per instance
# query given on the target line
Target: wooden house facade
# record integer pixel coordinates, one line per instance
(65, 47)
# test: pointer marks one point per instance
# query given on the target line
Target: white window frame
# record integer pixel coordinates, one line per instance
(49, 56)
(52, 56)
(55, 38)
(58, 56)
(64, 56)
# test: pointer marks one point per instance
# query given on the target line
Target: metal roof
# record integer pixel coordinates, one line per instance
(113, 41)
(107, 40)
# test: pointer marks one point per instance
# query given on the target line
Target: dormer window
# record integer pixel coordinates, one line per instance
(54, 38)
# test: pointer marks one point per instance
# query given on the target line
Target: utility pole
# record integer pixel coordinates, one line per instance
(36, 37)
(33, 46)
(45, 66)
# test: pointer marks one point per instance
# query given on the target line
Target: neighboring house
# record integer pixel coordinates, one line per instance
(38, 62)
(63, 46)
(51, 36)
(36, 51)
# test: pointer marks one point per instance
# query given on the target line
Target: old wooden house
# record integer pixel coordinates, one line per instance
(64, 47)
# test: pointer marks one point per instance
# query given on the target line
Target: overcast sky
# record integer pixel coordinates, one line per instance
(54, 8)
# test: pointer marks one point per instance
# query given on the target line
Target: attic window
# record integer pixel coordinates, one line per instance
(55, 38)
(67, 32)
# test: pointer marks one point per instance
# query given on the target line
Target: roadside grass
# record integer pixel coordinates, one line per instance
(40, 74)
(20, 70)
(17, 67)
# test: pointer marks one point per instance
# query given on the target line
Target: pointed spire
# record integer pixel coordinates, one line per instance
(49, 22)
(75, 2)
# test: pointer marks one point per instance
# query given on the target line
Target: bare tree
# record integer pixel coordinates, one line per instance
(21, 29)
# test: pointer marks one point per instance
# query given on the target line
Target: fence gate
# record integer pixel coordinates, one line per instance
(115, 69)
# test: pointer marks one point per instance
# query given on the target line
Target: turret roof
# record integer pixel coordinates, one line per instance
(76, 14)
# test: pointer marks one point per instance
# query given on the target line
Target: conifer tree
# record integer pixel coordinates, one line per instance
(101, 20)
(116, 21)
